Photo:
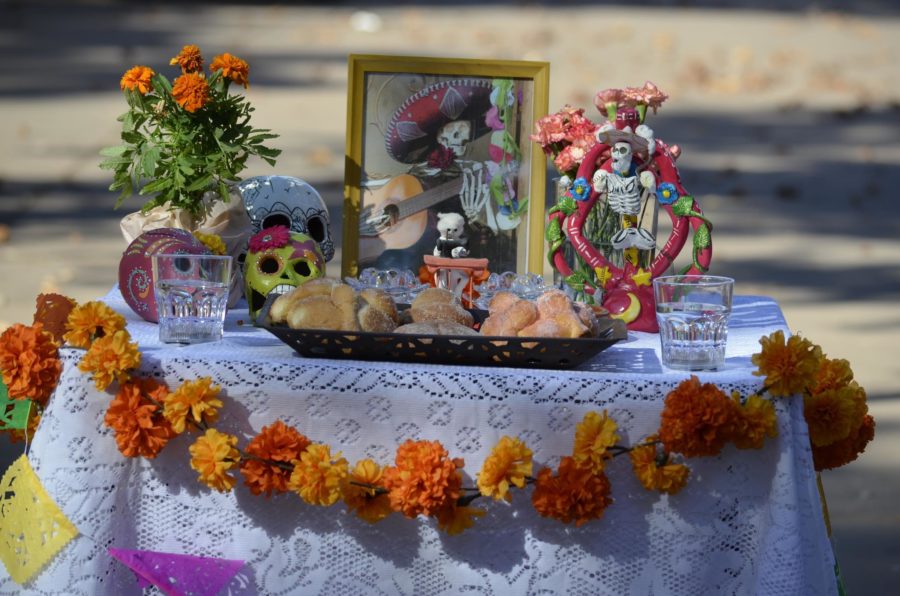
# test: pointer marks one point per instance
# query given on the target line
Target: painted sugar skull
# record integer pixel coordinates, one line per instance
(290, 202)
(136, 271)
(278, 260)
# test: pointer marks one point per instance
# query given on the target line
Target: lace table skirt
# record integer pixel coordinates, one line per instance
(749, 522)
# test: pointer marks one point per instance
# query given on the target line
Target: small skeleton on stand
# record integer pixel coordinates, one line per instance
(627, 185)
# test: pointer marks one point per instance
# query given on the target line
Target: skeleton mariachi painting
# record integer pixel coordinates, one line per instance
(607, 214)
(441, 144)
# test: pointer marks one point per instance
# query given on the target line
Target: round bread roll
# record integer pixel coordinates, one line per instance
(439, 304)
(278, 313)
(433, 296)
(315, 312)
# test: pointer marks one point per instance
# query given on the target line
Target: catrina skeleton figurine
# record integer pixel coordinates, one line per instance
(625, 172)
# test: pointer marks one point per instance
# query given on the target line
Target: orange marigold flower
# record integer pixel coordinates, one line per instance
(593, 436)
(424, 479)
(138, 423)
(191, 91)
(137, 78)
(29, 361)
(52, 311)
(90, 321)
(509, 463)
(212, 455)
(754, 422)
(653, 469)
(110, 358)
(573, 494)
(189, 59)
(454, 520)
(361, 492)
(788, 367)
(232, 68)
(846, 450)
(830, 415)
(317, 477)
(697, 419)
(276, 444)
(833, 373)
(197, 400)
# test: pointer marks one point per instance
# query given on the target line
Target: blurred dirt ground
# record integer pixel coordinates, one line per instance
(788, 115)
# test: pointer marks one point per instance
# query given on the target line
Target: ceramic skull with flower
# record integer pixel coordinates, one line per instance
(615, 178)
(279, 260)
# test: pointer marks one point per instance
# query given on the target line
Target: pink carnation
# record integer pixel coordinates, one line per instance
(607, 96)
(270, 238)
(548, 130)
(569, 158)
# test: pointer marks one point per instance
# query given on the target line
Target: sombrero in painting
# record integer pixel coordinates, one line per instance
(412, 131)
(622, 131)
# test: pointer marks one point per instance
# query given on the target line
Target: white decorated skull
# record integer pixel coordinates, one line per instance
(621, 157)
(291, 202)
(456, 136)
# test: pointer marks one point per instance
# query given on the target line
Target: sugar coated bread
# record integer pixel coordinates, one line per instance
(333, 305)
(552, 314)
(439, 304)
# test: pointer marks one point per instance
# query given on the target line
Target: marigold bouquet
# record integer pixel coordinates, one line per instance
(186, 138)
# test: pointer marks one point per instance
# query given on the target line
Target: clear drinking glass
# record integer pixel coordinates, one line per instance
(191, 296)
(692, 312)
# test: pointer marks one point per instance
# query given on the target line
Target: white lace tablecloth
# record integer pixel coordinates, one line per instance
(749, 522)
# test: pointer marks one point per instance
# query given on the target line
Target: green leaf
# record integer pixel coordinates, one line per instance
(567, 205)
(113, 151)
(201, 183)
(149, 160)
(702, 237)
(553, 233)
(156, 186)
(682, 207)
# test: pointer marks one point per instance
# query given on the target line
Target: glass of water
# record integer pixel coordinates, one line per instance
(692, 312)
(191, 296)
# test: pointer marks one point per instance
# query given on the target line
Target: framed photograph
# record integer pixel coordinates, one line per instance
(443, 143)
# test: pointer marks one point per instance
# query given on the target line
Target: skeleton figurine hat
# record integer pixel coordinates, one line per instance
(628, 129)
(413, 130)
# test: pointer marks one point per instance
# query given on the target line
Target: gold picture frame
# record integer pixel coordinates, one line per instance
(441, 135)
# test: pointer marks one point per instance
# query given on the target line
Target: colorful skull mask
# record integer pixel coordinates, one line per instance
(278, 261)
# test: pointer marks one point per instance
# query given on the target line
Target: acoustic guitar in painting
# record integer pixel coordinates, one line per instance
(396, 215)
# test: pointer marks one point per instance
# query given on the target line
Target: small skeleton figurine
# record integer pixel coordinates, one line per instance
(625, 187)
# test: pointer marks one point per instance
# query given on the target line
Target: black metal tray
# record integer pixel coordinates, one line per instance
(472, 350)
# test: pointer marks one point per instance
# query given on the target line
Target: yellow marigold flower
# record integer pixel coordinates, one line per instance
(573, 494)
(212, 241)
(90, 321)
(754, 422)
(191, 91)
(593, 436)
(317, 478)
(789, 367)
(424, 479)
(195, 399)
(830, 415)
(110, 358)
(832, 374)
(654, 471)
(212, 455)
(509, 463)
(189, 59)
(367, 501)
(454, 520)
(137, 78)
(232, 68)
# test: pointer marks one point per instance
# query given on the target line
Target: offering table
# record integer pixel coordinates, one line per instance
(748, 522)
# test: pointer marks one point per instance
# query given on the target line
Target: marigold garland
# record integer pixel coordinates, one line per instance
(698, 419)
